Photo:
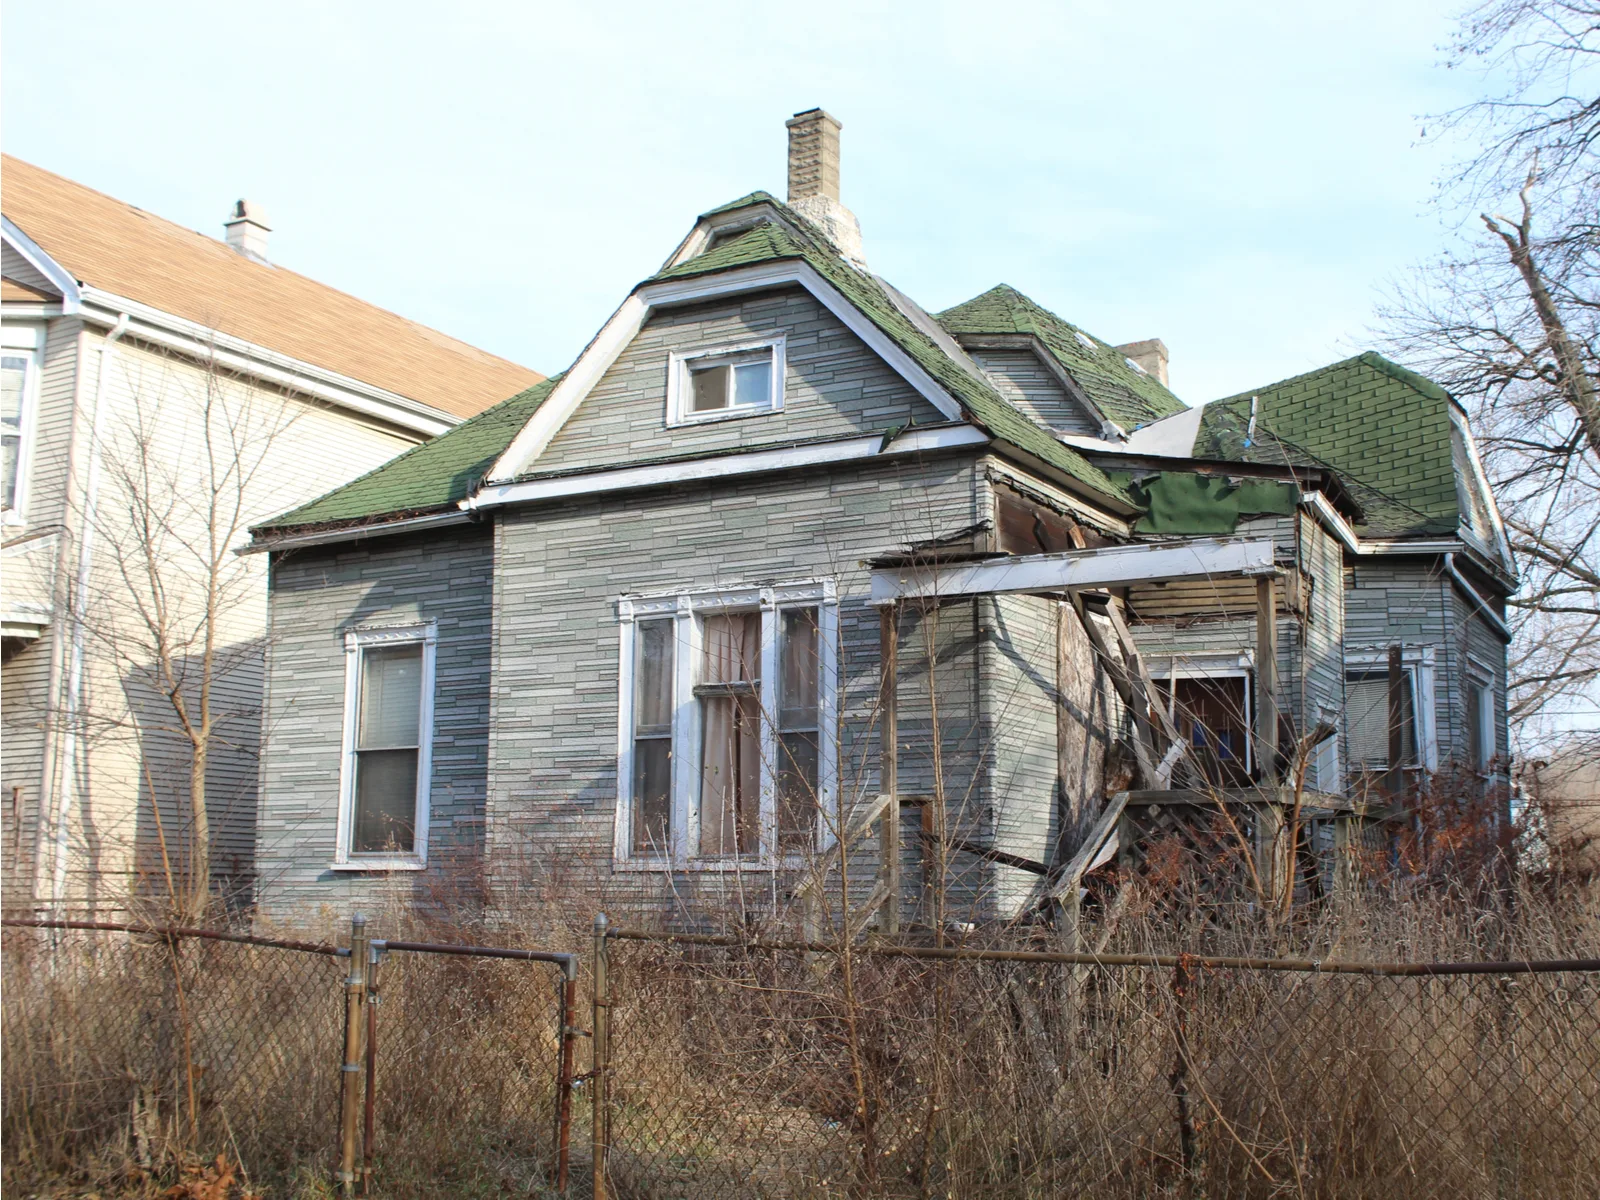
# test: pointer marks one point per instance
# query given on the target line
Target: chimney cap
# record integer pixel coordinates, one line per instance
(247, 210)
(813, 114)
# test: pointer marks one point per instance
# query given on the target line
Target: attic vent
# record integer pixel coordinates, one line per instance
(1084, 340)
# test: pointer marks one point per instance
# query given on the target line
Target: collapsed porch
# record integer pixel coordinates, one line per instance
(1168, 773)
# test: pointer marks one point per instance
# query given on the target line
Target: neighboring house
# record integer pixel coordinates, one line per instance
(141, 361)
(652, 619)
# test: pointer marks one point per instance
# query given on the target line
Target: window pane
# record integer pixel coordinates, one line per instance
(1367, 713)
(386, 801)
(652, 678)
(730, 783)
(13, 378)
(752, 384)
(797, 669)
(1476, 702)
(391, 696)
(797, 793)
(733, 648)
(710, 388)
(652, 795)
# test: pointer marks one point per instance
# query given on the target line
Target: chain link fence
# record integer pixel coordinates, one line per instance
(748, 1071)
(404, 1069)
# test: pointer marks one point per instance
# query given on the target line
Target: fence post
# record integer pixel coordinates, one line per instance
(1182, 983)
(567, 1016)
(600, 1132)
(355, 989)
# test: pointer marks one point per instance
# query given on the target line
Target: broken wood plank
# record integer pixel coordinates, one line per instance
(989, 854)
(1078, 865)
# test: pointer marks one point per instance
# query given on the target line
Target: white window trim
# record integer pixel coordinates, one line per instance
(1418, 664)
(679, 389)
(1482, 674)
(686, 609)
(24, 341)
(355, 642)
(1213, 665)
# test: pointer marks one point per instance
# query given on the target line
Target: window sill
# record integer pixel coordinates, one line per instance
(712, 865)
(723, 414)
(379, 864)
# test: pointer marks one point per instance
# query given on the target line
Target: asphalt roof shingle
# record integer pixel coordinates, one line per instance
(1126, 395)
(1384, 429)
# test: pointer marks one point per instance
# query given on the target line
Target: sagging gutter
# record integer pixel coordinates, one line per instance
(354, 533)
(1490, 617)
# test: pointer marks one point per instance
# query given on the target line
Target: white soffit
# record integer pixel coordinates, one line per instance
(615, 336)
(1111, 566)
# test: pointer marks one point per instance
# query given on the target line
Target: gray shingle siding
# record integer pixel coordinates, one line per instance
(835, 386)
(318, 594)
(1021, 378)
(559, 571)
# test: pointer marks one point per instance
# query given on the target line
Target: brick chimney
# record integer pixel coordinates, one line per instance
(814, 181)
(247, 230)
(1150, 354)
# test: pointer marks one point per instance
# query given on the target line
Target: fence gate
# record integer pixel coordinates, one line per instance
(455, 1069)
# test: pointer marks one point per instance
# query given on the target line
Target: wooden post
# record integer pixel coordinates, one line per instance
(1397, 723)
(355, 989)
(889, 769)
(1267, 681)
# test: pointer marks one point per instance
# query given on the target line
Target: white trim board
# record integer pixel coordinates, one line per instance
(1070, 570)
(624, 325)
(60, 278)
(913, 441)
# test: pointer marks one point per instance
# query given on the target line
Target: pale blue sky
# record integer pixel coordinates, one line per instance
(1238, 179)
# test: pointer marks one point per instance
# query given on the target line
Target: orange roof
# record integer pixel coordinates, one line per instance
(117, 248)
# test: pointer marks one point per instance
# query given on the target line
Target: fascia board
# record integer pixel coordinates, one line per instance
(193, 340)
(1482, 481)
(60, 278)
(353, 533)
(753, 462)
(1112, 566)
(626, 322)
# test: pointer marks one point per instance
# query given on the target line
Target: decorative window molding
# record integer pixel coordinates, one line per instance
(712, 664)
(722, 383)
(18, 416)
(381, 743)
(1418, 663)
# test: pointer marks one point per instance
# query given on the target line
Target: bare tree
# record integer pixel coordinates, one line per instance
(1509, 322)
(185, 462)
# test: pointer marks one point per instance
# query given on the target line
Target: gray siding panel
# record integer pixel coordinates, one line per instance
(835, 385)
(1025, 381)
(316, 596)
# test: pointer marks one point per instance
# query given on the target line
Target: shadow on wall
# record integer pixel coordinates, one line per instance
(165, 826)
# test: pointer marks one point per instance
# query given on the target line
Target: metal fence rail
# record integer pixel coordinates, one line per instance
(741, 1068)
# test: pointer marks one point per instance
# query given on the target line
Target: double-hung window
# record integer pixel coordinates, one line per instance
(1480, 721)
(719, 383)
(725, 703)
(18, 386)
(1366, 711)
(388, 734)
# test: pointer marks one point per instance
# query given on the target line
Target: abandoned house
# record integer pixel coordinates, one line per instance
(161, 387)
(784, 559)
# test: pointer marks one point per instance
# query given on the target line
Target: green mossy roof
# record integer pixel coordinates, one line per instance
(1384, 429)
(427, 478)
(983, 404)
(1128, 396)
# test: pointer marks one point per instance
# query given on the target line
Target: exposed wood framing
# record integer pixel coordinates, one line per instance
(1107, 566)
(1267, 679)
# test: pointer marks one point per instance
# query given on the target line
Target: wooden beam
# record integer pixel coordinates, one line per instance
(1161, 776)
(1267, 679)
(1072, 874)
(989, 854)
(889, 766)
(1122, 681)
(1069, 570)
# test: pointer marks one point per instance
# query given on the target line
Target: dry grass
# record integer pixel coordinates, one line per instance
(745, 1073)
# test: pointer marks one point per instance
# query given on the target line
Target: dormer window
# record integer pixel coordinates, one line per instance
(722, 382)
